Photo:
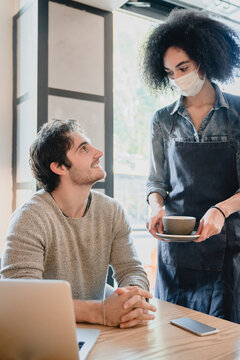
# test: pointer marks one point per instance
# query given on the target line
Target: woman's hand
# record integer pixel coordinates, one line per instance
(154, 223)
(210, 224)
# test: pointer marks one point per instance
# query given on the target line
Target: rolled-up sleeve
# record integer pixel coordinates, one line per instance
(157, 181)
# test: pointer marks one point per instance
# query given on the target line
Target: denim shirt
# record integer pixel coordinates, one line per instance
(212, 128)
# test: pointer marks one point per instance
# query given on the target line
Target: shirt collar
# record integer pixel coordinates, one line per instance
(221, 101)
(177, 105)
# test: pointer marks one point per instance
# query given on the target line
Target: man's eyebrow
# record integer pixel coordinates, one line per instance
(81, 144)
(180, 64)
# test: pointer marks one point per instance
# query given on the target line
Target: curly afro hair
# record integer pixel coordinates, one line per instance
(209, 42)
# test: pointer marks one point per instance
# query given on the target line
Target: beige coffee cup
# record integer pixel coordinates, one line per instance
(178, 225)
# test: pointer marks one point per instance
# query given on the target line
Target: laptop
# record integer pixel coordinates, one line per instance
(37, 322)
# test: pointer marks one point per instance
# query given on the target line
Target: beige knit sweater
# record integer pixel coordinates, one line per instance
(43, 243)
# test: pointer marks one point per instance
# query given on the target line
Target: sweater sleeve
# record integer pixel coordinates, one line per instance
(127, 268)
(24, 251)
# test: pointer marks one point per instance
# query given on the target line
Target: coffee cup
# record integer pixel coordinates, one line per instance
(178, 225)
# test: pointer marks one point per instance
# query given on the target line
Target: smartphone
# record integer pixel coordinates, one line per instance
(194, 326)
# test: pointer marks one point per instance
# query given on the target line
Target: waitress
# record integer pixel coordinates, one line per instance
(195, 161)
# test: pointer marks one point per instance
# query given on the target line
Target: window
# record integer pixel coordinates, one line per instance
(133, 111)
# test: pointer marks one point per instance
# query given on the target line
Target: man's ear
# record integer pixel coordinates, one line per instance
(57, 169)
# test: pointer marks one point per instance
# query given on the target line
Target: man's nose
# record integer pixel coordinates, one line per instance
(98, 153)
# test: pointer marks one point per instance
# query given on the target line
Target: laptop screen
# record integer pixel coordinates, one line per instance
(37, 321)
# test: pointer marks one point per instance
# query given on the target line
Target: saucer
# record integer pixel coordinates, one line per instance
(178, 238)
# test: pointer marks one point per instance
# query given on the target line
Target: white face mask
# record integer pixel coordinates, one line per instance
(188, 85)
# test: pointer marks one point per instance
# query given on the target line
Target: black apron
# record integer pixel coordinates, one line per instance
(202, 276)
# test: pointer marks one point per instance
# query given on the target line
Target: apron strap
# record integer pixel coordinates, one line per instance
(227, 124)
(174, 120)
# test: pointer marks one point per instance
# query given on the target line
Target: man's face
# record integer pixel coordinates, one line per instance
(85, 168)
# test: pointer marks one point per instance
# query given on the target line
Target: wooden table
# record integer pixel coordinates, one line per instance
(161, 340)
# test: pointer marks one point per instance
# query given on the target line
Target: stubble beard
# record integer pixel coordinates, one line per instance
(89, 179)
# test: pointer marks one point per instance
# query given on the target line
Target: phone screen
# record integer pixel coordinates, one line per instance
(194, 326)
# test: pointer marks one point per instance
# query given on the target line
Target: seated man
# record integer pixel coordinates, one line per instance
(69, 232)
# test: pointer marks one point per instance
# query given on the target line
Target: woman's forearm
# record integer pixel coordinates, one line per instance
(156, 201)
(231, 205)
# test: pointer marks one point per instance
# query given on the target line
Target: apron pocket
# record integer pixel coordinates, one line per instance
(207, 255)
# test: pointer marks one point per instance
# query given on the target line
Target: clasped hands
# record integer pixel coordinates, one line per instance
(128, 307)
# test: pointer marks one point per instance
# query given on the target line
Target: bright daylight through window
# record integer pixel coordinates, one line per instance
(133, 110)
